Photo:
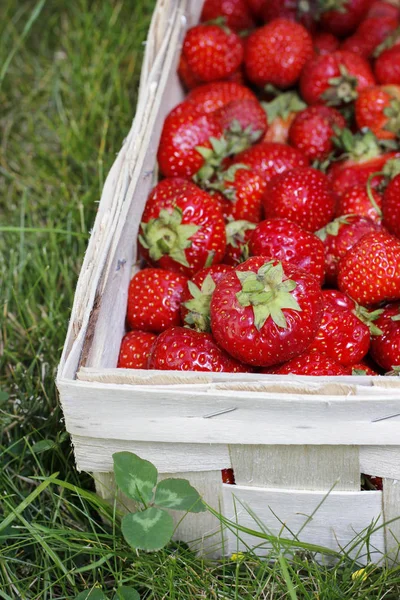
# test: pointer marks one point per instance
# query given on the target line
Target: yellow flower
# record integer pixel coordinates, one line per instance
(237, 557)
(360, 574)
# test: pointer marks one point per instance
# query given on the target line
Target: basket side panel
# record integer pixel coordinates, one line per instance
(391, 512)
(381, 461)
(297, 467)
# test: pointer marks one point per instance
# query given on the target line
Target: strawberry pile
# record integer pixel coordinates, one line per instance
(271, 243)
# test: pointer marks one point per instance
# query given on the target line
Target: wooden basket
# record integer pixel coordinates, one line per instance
(289, 439)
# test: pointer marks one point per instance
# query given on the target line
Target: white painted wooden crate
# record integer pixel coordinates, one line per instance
(288, 439)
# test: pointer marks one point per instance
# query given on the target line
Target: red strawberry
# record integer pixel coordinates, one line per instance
(387, 66)
(339, 236)
(284, 240)
(385, 348)
(362, 156)
(301, 195)
(325, 43)
(378, 109)
(209, 97)
(236, 12)
(237, 236)
(362, 369)
(270, 159)
(182, 349)
(312, 131)
(370, 271)
(311, 363)
(189, 80)
(135, 350)
(277, 53)
(182, 228)
(379, 8)
(195, 307)
(344, 333)
(256, 7)
(355, 201)
(266, 312)
(228, 476)
(391, 206)
(335, 79)
(243, 122)
(154, 299)
(369, 35)
(185, 130)
(212, 52)
(281, 112)
(289, 9)
(243, 188)
(341, 17)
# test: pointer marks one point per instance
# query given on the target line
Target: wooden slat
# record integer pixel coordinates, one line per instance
(297, 467)
(391, 510)
(201, 531)
(381, 461)
(334, 525)
(95, 455)
(167, 415)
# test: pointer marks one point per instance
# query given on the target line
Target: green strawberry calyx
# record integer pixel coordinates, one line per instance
(327, 5)
(166, 235)
(283, 106)
(389, 41)
(240, 138)
(213, 158)
(395, 371)
(333, 227)
(392, 112)
(268, 293)
(198, 306)
(342, 89)
(227, 177)
(360, 146)
(368, 318)
(235, 231)
(358, 372)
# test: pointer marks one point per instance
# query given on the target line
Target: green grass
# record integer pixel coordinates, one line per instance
(68, 83)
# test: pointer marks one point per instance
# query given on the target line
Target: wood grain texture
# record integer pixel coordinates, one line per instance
(201, 531)
(297, 467)
(95, 455)
(383, 461)
(334, 524)
(391, 514)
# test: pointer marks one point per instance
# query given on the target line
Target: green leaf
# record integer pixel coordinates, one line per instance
(43, 446)
(179, 495)
(93, 594)
(3, 397)
(134, 476)
(126, 593)
(148, 530)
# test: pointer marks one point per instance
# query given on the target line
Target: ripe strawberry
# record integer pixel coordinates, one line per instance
(362, 369)
(154, 299)
(325, 43)
(243, 188)
(185, 130)
(277, 53)
(391, 206)
(362, 156)
(182, 349)
(266, 312)
(341, 17)
(355, 201)
(281, 112)
(182, 228)
(135, 350)
(228, 476)
(195, 307)
(243, 122)
(378, 109)
(237, 236)
(236, 12)
(345, 330)
(284, 240)
(189, 80)
(387, 66)
(335, 79)
(212, 52)
(256, 7)
(301, 195)
(312, 131)
(371, 32)
(209, 97)
(379, 8)
(270, 159)
(385, 348)
(370, 271)
(290, 10)
(311, 363)
(338, 237)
